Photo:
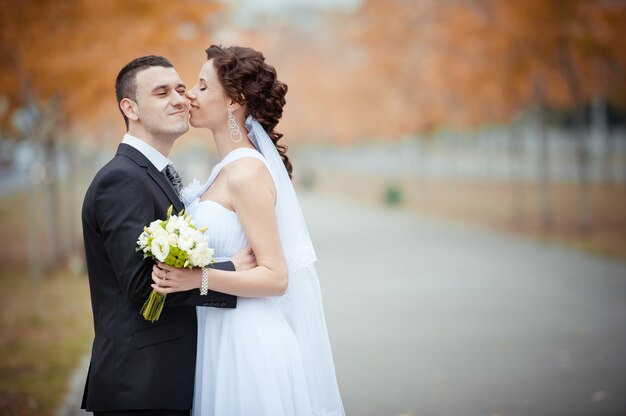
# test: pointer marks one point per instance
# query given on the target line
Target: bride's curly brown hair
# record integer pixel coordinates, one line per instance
(249, 81)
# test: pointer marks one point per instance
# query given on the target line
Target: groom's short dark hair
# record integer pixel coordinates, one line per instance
(125, 83)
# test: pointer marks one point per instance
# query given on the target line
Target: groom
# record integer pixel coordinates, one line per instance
(138, 367)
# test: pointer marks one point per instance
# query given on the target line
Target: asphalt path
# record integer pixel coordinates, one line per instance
(428, 317)
(432, 318)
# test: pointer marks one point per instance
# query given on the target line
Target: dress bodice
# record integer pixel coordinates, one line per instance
(224, 231)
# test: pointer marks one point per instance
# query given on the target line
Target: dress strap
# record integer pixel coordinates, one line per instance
(240, 153)
(231, 157)
(195, 189)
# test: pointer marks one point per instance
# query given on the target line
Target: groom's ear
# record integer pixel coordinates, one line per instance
(129, 108)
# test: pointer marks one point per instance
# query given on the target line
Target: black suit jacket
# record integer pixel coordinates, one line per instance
(135, 364)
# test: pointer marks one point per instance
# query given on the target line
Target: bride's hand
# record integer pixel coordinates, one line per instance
(168, 279)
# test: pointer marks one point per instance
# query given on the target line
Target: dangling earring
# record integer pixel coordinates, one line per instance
(235, 133)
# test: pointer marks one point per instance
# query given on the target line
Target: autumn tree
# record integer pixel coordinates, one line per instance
(471, 62)
(73, 49)
(59, 59)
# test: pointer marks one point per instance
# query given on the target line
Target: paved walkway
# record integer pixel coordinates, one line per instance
(429, 318)
(71, 405)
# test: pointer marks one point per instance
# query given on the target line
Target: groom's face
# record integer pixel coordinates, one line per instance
(162, 107)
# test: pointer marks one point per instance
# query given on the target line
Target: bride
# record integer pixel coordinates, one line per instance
(271, 355)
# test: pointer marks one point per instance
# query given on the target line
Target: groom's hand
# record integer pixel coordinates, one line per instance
(244, 259)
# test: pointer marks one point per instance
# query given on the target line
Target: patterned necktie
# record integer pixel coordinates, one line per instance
(174, 178)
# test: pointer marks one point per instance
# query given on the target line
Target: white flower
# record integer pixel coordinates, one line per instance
(160, 247)
(172, 224)
(201, 257)
(173, 240)
(190, 192)
(181, 223)
(207, 257)
(159, 232)
(156, 224)
(200, 240)
(185, 239)
(143, 240)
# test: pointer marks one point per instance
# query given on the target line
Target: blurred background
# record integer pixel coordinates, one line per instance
(493, 128)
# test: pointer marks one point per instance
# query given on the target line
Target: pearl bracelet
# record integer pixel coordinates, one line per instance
(204, 286)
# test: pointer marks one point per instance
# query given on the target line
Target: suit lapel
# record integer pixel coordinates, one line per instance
(136, 156)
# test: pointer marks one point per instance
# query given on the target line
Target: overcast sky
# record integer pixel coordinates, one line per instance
(278, 6)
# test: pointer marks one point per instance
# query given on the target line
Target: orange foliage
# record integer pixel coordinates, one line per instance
(393, 67)
(477, 61)
(73, 49)
(399, 66)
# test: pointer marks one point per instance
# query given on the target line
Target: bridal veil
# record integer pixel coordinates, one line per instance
(302, 303)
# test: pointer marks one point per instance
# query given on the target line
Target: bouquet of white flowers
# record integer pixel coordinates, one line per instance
(176, 242)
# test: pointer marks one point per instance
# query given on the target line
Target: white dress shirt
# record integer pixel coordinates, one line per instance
(154, 156)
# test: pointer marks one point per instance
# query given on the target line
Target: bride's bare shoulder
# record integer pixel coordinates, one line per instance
(247, 173)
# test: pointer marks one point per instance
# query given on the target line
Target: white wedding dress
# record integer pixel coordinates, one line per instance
(248, 358)
(269, 356)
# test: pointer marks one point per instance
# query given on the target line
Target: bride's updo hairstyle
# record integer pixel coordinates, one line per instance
(249, 81)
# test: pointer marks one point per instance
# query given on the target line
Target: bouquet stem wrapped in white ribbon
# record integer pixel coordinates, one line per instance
(177, 242)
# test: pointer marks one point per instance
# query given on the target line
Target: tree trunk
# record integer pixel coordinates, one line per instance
(516, 149)
(73, 211)
(600, 134)
(34, 232)
(582, 151)
(544, 171)
(582, 159)
(50, 207)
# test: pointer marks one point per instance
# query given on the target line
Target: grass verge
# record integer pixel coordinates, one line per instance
(46, 328)
(510, 208)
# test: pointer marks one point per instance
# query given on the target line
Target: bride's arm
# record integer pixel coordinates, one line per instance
(251, 189)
